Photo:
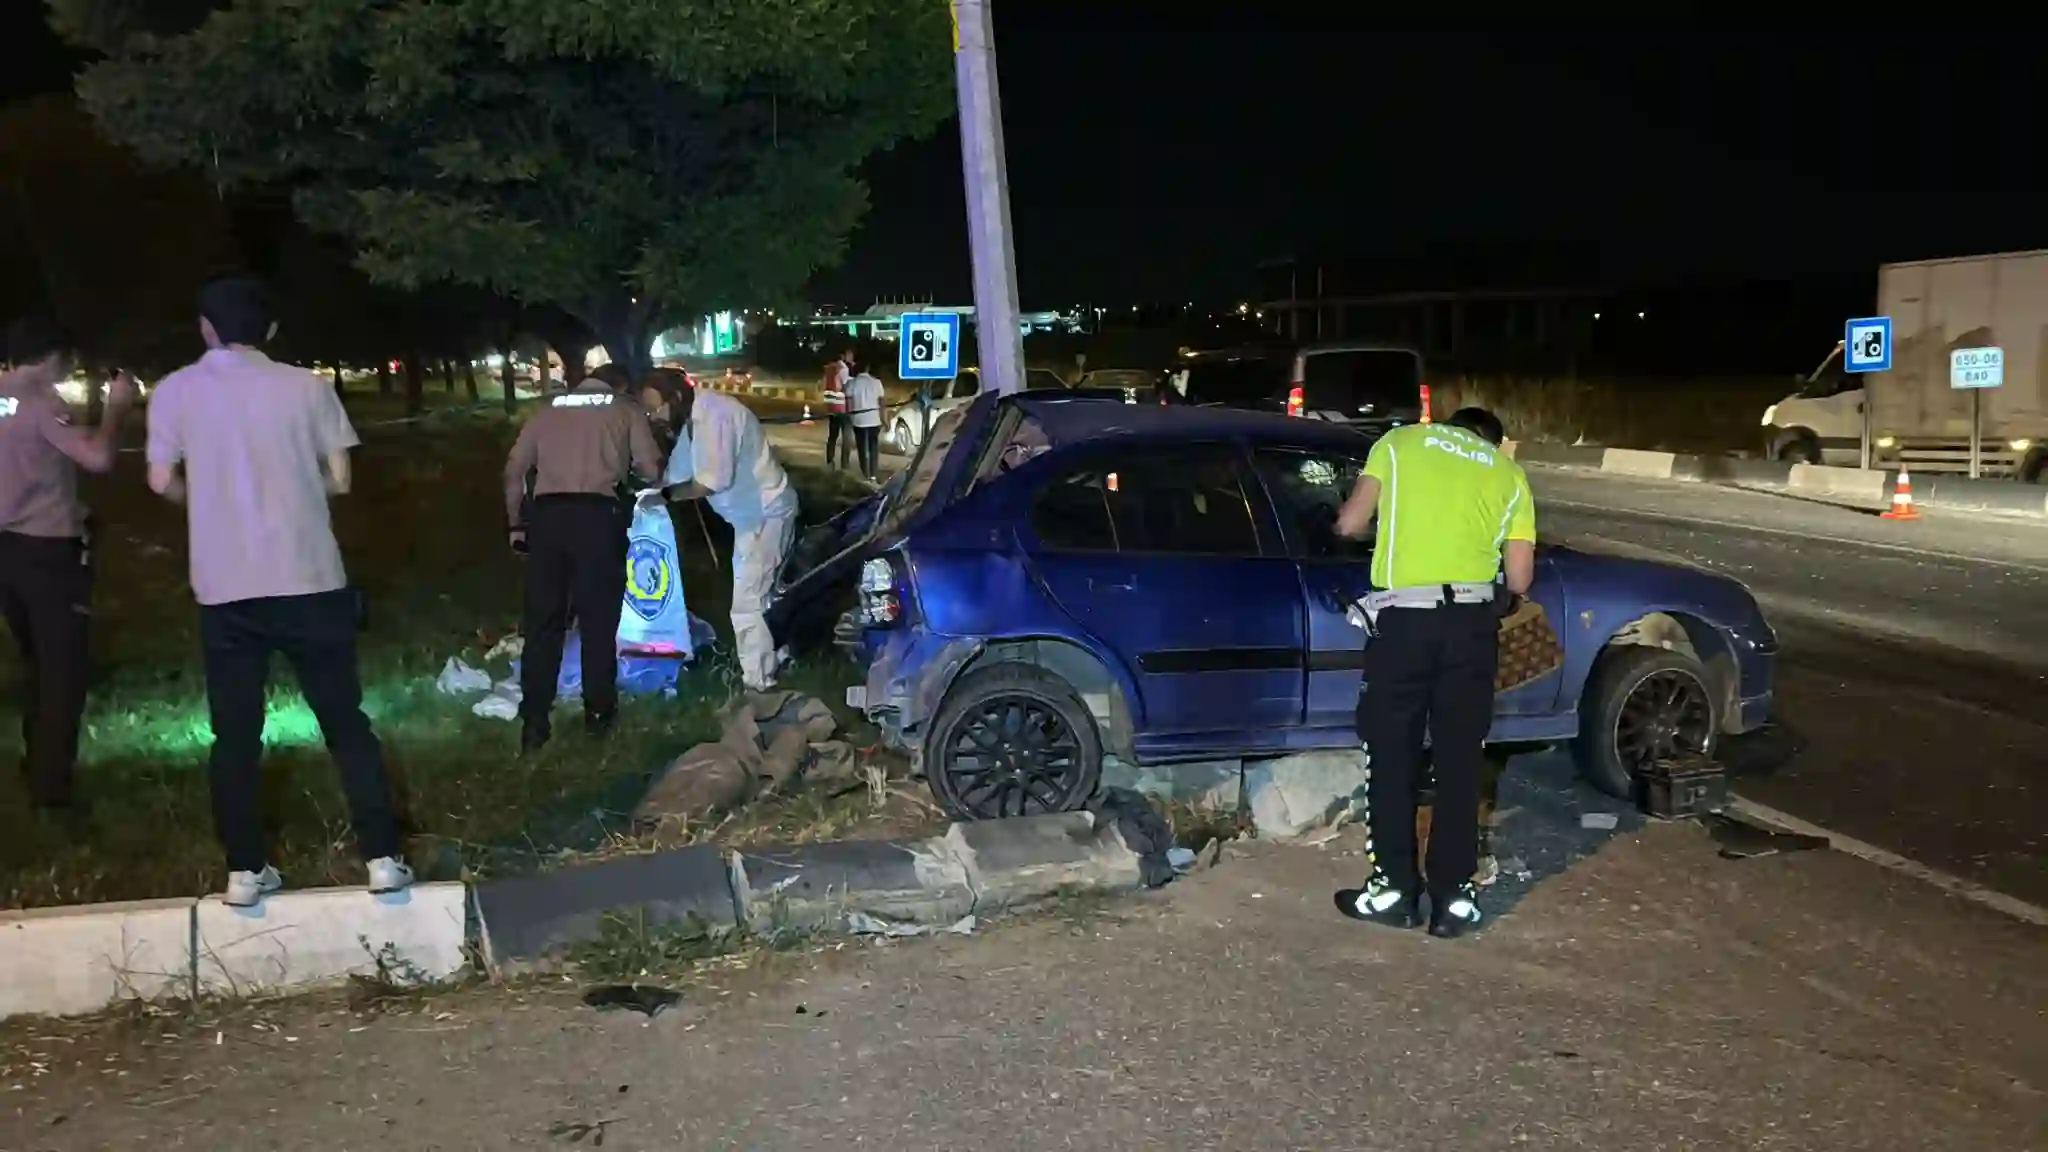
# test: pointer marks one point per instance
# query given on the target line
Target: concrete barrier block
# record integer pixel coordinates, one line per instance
(816, 885)
(527, 918)
(323, 935)
(1862, 485)
(1016, 861)
(1296, 794)
(1636, 462)
(63, 961)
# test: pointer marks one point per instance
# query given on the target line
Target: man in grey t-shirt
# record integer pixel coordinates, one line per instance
(253, 449)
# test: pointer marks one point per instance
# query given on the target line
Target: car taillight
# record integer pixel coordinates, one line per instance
(881, 604)
(1295, 399)
(1425, 403)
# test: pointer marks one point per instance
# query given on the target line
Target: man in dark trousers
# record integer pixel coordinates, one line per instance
(45, 558)
(564, 503)
(1457, 541)
(254, 449)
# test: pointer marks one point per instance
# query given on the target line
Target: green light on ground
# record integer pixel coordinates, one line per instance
(183, 731)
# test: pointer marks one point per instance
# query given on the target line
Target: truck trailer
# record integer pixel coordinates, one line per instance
(1915, 418)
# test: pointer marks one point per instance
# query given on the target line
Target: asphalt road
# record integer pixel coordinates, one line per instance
(1913, 684)
(1652, 996)
(1914, 669)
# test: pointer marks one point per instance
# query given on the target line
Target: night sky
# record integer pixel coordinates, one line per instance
(1159, 151)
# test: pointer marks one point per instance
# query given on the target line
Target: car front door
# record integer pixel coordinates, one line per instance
(1307, 489)
(1170, 560)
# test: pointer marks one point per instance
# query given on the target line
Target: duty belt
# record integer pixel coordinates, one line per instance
(1364, 612)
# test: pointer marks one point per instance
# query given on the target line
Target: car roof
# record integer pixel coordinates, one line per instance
(1068, 420)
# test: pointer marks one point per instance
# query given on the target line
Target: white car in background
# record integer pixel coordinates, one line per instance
(904, 428)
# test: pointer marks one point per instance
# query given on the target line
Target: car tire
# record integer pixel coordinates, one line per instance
(1021, 714)
(1623, 698)
(1798, 446)
(898, 440)
(2034, 468)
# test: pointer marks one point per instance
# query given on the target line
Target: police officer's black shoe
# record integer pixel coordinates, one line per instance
(1454, 913)
(598, 725)
(532, 738)
(1379, 902)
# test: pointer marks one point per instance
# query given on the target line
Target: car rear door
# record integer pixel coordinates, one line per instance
(1378, 387)
(1166, 556)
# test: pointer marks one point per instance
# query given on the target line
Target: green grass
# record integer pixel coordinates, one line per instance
(423, 535)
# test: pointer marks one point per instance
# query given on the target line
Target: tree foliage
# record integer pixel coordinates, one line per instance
(629, 161)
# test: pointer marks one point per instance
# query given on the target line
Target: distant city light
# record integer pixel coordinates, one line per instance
(1640, 315)
(1596, 315)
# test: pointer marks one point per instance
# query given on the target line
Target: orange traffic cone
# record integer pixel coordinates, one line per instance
(807, 414)
(1425, 403)
(1902, 499)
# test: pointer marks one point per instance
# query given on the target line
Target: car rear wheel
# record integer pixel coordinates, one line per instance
(1642, 705)
(901, 440)
(1012, 740)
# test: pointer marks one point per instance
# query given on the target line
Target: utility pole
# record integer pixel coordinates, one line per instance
(997, 334)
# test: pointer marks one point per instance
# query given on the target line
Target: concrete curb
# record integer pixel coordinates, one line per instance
(65, 961)
(1869, 488)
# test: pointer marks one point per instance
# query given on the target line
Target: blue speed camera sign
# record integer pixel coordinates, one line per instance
(1867, 346)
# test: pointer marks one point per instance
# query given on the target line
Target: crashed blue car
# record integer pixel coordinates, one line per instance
(1057, 579)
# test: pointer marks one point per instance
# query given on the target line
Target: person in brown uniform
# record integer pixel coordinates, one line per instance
(45, 566)
(562, 500)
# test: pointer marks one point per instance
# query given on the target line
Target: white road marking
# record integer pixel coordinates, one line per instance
(1969, 890)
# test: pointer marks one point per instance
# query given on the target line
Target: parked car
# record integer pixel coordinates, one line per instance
(1058, 579)
(906, 425)
(1134, 383)
(1372, 386)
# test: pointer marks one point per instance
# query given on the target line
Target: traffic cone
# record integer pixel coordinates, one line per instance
(1425, 403)
(807, 414)
(1902, 499)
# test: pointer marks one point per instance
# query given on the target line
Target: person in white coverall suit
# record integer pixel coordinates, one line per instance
(722, 457)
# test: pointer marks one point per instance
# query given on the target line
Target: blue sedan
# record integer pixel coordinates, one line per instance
(1056, 579)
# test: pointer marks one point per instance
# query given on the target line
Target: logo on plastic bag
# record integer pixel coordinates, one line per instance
(650, 577)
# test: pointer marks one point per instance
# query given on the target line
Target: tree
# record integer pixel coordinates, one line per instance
(631, 163)
(116, 250)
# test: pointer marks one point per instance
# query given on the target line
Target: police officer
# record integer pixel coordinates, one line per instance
(1457, 541)
(563, 501)
(45, 566)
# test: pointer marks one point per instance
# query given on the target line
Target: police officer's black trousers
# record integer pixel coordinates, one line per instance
(45, 593)
(1433, 668)
(576, 558)
(317, 635)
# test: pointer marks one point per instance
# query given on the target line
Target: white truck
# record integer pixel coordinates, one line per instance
(1915, 417)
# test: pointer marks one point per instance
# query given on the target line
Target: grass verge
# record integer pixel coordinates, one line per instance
(423, 536)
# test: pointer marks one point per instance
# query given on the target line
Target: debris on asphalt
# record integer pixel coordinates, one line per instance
(1145, 832)
(1602, 821)
(1742, 840)
(644, 999)
(458, 678)
(866, 924)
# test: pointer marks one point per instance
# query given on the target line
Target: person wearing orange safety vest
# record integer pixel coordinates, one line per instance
(838, 432)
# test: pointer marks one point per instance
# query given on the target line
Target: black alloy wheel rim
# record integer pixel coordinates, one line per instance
(1013, 756)
(1666, 714)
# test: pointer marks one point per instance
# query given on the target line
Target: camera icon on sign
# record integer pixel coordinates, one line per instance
(924, 346)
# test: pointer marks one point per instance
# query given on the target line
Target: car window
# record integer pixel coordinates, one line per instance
(966, 386)
(1308, 488)
(1185, 501)
(1040, 380)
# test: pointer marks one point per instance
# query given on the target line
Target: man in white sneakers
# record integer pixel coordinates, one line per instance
(253, 449)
